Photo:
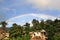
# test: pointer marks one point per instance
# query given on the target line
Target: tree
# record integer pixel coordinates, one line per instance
(56, 20)
(15, 31)
(49, 22)
(27, 28)
(57, 25)
(50, 28)
(3, 25)
(42, 25)
(35, 25)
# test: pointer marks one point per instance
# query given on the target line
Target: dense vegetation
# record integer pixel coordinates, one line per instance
(18, 32)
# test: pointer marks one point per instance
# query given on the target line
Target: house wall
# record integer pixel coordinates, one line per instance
(37, 36)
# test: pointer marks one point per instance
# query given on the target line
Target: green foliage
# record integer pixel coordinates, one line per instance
(27, 28)
(57, 36)
(24, 37)
(18, 32)
(36, 25)
(3, 23)
(15, 31)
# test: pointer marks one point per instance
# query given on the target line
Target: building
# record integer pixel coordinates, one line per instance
(38, 35)
(3, 34)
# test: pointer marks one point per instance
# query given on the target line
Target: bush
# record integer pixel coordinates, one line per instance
(57, 36)
(24, 37)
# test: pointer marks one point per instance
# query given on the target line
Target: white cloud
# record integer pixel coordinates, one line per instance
(42, 16)
(45, 4)
(41, 4)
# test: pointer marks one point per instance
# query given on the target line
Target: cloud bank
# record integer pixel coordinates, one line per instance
(22, 19)
(45, 4)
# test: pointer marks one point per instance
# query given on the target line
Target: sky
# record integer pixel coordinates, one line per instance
(22, 11)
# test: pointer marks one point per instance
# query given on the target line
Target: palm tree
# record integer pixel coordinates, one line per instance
(3, 25)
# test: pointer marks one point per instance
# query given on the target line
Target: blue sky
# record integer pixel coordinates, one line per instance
(10, 9)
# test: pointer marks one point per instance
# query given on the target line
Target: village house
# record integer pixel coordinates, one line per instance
(3, 34)
(38, 35)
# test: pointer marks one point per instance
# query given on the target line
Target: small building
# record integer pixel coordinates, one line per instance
(38, 35)
(4, 36)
